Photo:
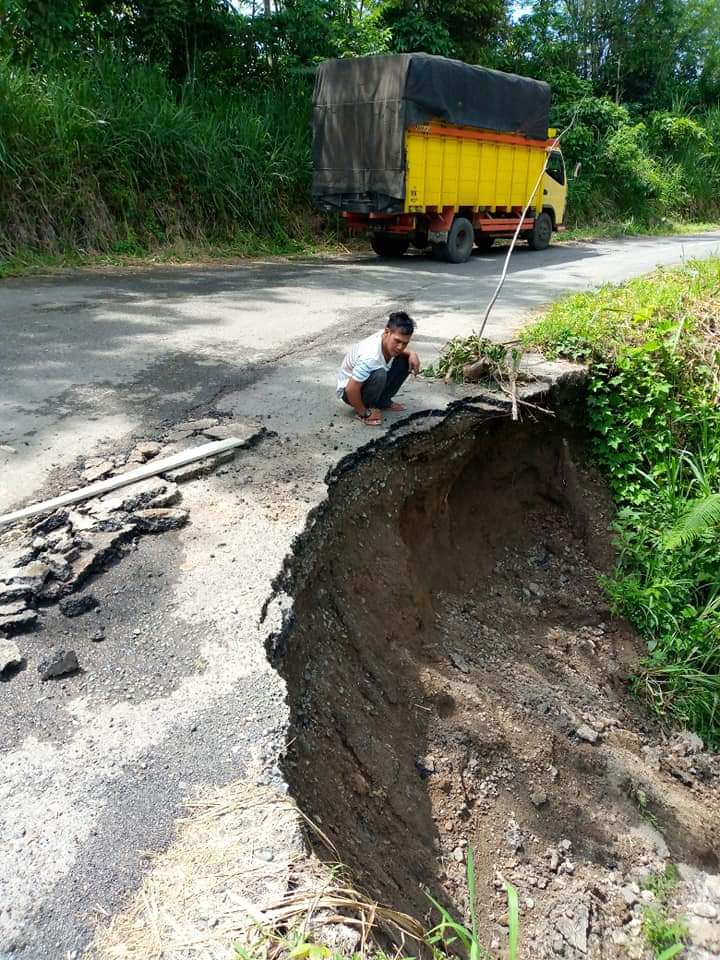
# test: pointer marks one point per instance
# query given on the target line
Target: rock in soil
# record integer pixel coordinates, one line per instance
(459, 661)
(74, 606)
(587, 733)
(10, 655)
(60, 663)
(574, 929)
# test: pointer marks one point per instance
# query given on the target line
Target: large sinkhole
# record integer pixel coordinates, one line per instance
(456, 677)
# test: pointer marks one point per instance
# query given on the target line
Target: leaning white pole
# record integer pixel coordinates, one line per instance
(113, 483)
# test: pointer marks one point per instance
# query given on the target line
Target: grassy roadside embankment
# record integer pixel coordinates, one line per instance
(110, 162)
(653, 411)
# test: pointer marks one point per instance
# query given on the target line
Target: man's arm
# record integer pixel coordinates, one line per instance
(353, 391)
(413, 360)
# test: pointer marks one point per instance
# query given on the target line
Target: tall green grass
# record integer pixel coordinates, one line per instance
(103, 155)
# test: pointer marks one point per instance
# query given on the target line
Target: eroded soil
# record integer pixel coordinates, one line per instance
(456, 678)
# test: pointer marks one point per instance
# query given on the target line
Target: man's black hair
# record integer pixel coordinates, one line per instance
(401, 322)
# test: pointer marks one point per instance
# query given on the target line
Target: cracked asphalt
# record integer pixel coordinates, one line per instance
(179, 695)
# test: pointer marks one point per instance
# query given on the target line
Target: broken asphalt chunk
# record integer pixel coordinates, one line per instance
(224, 431)
(153, 492)
(103, 545)
(159, 519)
(99, 472)
(75, 606)
(16, 617)
(28, 579)
(10, 655)
(60, 663)
(50, 523)
(182, 431)
(142, 452)
(201, 468)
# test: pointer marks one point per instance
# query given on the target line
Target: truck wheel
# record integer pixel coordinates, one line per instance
(385, 246)
(483, 241)
(459, 244)
(539, 236)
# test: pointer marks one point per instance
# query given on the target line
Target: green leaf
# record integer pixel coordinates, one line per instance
(671, 952)
(513, 921)
(471, 892)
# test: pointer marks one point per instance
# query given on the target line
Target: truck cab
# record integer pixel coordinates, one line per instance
(555, 187)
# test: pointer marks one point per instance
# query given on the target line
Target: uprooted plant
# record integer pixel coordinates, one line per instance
(474, 359)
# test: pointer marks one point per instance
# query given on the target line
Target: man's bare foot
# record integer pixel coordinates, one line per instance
(374, 420)
(398, 407)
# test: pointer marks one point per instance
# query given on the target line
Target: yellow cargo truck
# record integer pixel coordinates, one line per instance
(422, 150)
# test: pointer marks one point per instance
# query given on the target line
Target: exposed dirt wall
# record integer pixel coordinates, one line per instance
(456, 678)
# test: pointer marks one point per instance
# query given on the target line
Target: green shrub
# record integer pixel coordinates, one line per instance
(666, 166)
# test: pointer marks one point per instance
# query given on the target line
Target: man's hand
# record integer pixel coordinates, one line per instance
(414, 362)
(370, 416)
(375, 419)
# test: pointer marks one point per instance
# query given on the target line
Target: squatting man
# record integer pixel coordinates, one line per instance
(375, 368)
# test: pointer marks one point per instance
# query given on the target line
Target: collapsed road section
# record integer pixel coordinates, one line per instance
(456, 679)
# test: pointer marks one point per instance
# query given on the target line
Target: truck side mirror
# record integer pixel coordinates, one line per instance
(576, 171)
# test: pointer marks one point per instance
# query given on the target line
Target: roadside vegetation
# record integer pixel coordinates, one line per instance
(653, 411)
(136, 130)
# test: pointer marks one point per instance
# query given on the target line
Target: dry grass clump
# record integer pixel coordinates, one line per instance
(237, 881)
(233, 851)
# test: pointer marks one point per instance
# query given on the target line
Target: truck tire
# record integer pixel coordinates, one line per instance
(539, 236)
(459, 244)
(483, 241)
(389, 247)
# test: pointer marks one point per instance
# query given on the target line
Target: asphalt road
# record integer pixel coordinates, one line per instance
(179, 696)
(90, 358)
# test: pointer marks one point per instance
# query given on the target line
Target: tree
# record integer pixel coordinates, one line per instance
(635, 51)
(461, 28)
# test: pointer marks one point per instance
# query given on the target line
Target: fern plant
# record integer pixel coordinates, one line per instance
(701, 518)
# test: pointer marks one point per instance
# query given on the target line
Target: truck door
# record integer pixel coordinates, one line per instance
(555, 186)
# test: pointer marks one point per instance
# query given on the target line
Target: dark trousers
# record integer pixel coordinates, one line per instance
(382, 385)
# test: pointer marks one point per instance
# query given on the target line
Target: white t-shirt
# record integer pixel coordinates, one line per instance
(361, 360)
